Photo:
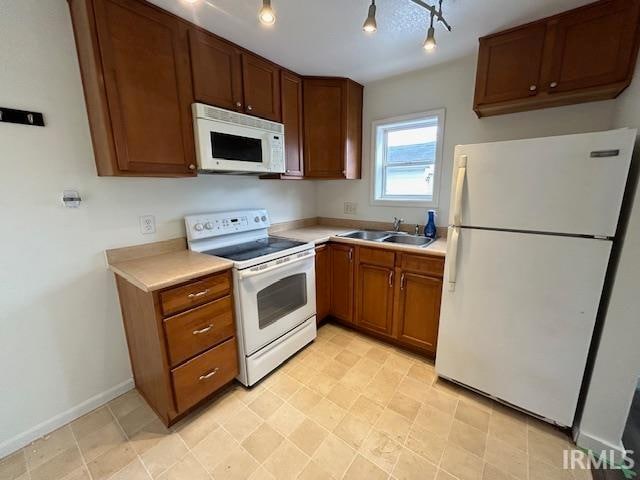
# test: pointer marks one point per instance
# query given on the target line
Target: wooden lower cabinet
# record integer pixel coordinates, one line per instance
(342, 281)
(375, 298)
(323, 282)
(182, 341)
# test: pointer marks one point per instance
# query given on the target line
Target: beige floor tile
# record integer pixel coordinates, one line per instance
(313, 471)
(262, 442)
(285, 386)
(427, 444)
(547, 446)
(472, 415)
(467, 437)
(340, 339)
(352, 430)
(356, 380)
(13, 466)
(381, 450)
(164, 454)
(49, 446)
(238, 465)
(348, 358)
(366, 409)
(242, 424)
(101, 440)
(413, 388)
(394, 425)
(442, 475)
(322, 383)
(78, 474)
(398, 363)
(509, 428)
(327, 414)
(91, 422)
(287, 462)
(261, 474)
(187, 468)
(266, 404)
(196, 427)
(423, 373)
(539, 470)
(149, 436)
(441, 400)
(462, 464)
(342, 395)
(411, 466)
(389, 376)
(443, 385)
(334, 455)
(377, 354)
(405, 406)
(126, 403)
(335, 369)
(507, 458)
(137, 419)
(380, 391)
(363, 469)
(112, 461)
(491, 472)
(308, 436)
(208, 451)
(434, 420)
(247, 395)
(305, 399)
(59, 466)
(228, 402)
(475, 399)
(134, 471)
(286, 419)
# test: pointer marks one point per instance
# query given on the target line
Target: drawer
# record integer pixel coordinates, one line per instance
(423, 264)
(195, 330)
(204, 374)
(196, 293)
(377, 256)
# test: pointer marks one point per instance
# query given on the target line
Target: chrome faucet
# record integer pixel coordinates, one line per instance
(396, 223)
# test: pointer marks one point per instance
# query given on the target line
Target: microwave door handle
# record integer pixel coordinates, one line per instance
(248, 273)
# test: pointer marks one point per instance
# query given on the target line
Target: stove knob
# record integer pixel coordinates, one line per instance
(257, 219)
(198, 227)
(264, 218)
(208, 226)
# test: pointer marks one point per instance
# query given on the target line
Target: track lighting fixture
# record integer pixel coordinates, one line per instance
(266, 15)
(370, 24)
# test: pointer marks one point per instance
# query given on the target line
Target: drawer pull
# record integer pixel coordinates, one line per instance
(203, 330)
(199, 294)
(209, 375)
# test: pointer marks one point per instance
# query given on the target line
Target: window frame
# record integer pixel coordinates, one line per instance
(377, 151)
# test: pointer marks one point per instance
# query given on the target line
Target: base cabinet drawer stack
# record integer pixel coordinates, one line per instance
(182, 341)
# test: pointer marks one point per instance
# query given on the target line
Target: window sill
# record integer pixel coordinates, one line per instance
(405, 203)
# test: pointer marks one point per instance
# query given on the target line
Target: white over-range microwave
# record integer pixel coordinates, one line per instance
(231, 142)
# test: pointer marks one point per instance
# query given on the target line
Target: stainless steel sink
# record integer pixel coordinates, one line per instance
(408, 240)
(373, 235)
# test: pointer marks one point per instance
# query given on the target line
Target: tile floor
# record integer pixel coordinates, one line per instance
(345, 407)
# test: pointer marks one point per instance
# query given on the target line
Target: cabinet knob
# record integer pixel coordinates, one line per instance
(249, 107)
(533, 88)
(288, 171)
(192, 167)
(553, 84)
(238, 104)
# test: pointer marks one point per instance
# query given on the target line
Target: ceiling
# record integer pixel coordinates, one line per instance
(325, 37)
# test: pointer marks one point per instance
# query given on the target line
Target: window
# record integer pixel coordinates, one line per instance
(407, 153)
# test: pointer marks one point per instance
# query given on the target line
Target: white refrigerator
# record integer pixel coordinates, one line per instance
(530, 236)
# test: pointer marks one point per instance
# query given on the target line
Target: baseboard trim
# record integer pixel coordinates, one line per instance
(25, 438)
(597, 445)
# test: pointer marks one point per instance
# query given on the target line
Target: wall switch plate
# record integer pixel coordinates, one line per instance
(350, 208)
(147, 224)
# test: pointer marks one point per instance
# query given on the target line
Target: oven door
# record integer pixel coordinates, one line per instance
(275, 300)
(234, 148)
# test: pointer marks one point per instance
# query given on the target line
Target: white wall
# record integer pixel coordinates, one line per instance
(61, 335)
(617, 365)
(450, 86)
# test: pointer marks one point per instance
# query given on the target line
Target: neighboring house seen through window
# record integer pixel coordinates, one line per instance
(407, 153)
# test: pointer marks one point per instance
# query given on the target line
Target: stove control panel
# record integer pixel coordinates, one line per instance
(216, 224)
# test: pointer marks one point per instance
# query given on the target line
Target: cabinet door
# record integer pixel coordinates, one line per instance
(342, 282)
(418, 311)
(593, 46)
(147, 79)
(323, 282)
(374, 294)
(292, 118)
(509, 65)
(261, 81)
(217, 71)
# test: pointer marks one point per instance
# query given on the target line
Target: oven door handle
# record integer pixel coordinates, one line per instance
(248, 273)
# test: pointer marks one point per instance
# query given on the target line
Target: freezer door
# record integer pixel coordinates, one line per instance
(570, 184)
(518, 321)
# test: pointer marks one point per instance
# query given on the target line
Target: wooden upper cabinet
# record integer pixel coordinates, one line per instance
(342, 281)
(216, 70)
(261, 81)
(593, 47)
(582, 55)
(509, 65)
(135, 69)
(291, 86)
(332, 128)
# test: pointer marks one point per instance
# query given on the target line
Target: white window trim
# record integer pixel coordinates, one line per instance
(376, 167)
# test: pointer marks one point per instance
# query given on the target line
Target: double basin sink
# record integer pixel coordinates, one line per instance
(389, 237)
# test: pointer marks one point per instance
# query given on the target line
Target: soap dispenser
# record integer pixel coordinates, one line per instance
(430, 228)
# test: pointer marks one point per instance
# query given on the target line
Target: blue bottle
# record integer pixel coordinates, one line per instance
(430, 228)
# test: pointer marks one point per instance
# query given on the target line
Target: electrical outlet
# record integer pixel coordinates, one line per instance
(350, 208)
(147, 224)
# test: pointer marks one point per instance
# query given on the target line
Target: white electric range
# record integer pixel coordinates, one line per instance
(274, 286)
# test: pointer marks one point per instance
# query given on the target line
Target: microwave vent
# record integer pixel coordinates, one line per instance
(214, 113)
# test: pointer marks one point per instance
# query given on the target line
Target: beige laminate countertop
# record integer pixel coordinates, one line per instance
(160, 271)
(318, 234)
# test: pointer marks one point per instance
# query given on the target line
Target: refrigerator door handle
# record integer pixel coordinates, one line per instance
(460, 178)
(452, 256)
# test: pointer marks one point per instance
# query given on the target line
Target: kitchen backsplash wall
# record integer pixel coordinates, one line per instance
(60, 323)
(448, 86)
